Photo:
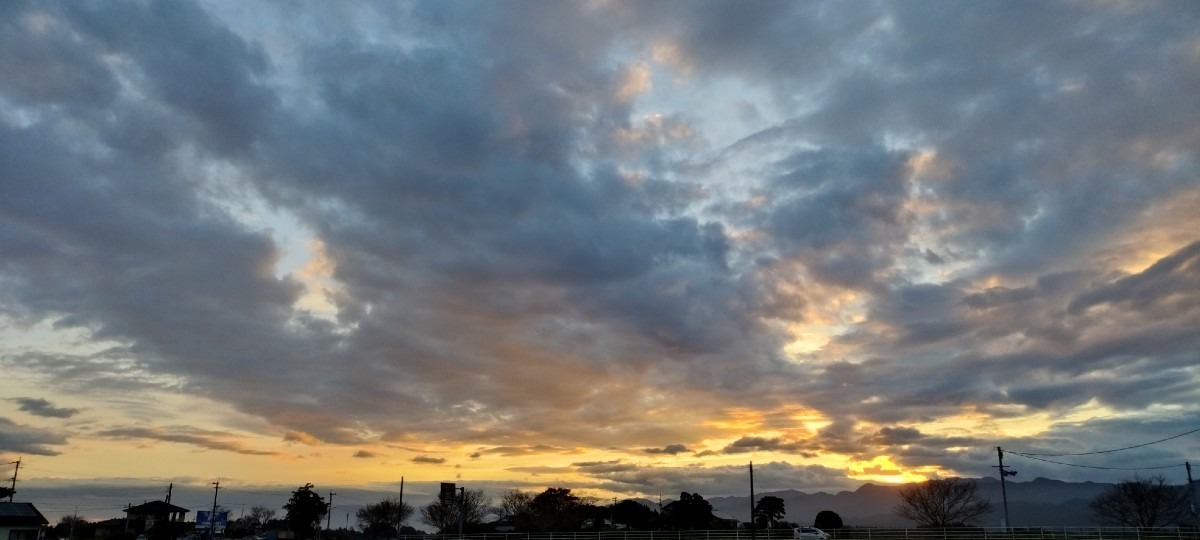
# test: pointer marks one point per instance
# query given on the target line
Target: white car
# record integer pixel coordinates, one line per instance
(809, 533)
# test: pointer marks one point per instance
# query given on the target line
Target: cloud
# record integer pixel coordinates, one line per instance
(932, 220)
(720, 480)
(301, 437)
(41, 407)
(1171, 279)
(529, 450)
(601, 467)
(185, 435)
(672, 449)
(898, 435)
(22, 439)
(364, 454)
(429, 460)
(766, 444)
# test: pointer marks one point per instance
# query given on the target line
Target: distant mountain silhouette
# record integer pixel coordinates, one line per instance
(1040, 502)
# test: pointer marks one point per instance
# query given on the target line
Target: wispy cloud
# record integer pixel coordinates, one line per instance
(185, 435)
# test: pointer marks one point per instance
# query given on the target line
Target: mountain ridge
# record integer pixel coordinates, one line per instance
(1040, 502)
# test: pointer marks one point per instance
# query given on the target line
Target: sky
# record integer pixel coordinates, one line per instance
(625, 247)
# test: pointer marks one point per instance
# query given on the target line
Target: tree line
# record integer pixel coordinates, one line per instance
(939, 503)
(556, 509)
(1147, 503)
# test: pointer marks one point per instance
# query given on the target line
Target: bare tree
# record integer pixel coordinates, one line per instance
(514, 503)
(1142, 502)
(259, 516)
(445, 514)
(947, 502)
(383, 519)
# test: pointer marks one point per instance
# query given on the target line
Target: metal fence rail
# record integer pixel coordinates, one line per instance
(865, 533)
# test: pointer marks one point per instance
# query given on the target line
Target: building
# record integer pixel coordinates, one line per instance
(20, 521)
(154, 512)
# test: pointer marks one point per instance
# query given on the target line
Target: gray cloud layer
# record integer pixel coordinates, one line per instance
(521, 257)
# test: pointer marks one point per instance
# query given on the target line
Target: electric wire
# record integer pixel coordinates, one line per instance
(1109, 451)
(1031, 456)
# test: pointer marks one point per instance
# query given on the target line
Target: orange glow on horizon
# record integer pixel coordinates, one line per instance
(883, 469)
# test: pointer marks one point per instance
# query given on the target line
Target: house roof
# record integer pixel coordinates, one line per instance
(21, 514)
(155, 508)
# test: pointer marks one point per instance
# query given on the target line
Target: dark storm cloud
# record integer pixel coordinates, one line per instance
(22, 439)
(44, 408)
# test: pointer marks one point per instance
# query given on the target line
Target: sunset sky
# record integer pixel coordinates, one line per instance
(625, 247)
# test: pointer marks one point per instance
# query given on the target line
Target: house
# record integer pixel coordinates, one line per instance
(20, 521)
(154, 512)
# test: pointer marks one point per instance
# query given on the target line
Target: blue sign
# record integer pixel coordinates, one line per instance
(203, 516)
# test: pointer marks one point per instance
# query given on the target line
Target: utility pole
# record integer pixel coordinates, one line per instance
(1003, 491)
(752, 532)
(169, 488)
(212, 518)
(329, 513)
(400, 511)
(1192, 489)
(17, 467)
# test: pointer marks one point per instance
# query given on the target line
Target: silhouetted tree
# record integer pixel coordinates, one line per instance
(556, 509)
(259, 516)
(517, 507)
(304, 511)
(690, 512)
(72, 527)
(947, 502)
(383, 519)
(514, 503)
(634, 515)
(444, 514)
(828, 520)
(768, 511)
(1142, 502)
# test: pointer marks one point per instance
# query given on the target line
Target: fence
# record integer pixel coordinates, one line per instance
(963, 533)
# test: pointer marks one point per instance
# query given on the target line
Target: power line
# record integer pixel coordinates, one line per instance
(1031, 456)
(1110, 451)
